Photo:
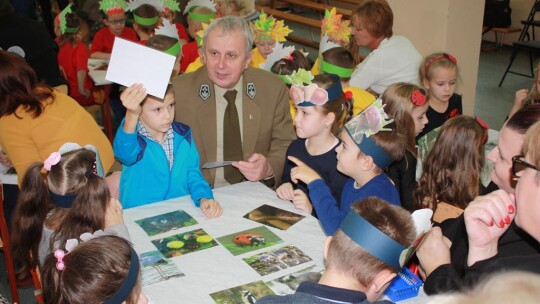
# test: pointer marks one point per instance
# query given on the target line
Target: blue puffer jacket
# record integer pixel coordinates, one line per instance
(146, 177)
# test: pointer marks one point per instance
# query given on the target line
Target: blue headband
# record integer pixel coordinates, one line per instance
(369, 147)
(372, 239)
(129, 282)
(64, 201)
(334, 92)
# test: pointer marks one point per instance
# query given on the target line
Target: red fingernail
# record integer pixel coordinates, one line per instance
(491, 224)
(507, 220)
(511, 209)
(501, 223)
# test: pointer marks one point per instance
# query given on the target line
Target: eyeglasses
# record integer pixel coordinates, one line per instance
(518, 165)
(117, 22)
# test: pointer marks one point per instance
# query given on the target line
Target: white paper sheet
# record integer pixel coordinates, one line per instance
(135, 63)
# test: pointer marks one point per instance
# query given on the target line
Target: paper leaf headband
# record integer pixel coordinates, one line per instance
(170, 6)
(369, 122)
(269, 28)
(278, 52)
(380, 245)
(334, 27)
(168, 29)
(304, 93)
(198, 16)
(61, 20)
(147, 21)
(200, 34)
(112, 7)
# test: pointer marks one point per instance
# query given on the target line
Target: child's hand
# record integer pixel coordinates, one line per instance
(301, 201)
(302, 172)
(113, 214)
(132, 97)
(210, 208)
(521, 96)
(519, 100)
(434, 251)
(285, 192)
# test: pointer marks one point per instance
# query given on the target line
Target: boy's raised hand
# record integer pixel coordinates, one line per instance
(302, 172)
(132, 98)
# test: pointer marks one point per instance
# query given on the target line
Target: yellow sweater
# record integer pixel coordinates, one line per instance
(27, 140)
(361, 99)
(195, 65)
(256, 59)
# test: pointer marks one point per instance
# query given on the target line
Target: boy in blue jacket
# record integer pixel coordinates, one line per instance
(369, 143)
(158, 155)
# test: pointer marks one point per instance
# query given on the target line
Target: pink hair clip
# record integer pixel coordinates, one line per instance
(59, 254)
(52, 160)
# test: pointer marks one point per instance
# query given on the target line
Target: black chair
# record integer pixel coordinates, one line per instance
(522, 44)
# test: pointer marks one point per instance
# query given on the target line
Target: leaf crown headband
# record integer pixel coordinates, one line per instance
(269, 28)
(112, 7)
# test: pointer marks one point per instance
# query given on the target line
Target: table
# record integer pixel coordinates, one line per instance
(216, 269)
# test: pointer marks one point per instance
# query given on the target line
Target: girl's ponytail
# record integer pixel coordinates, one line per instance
(32, 207)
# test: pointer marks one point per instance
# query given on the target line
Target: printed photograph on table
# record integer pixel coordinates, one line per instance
(166, 222)
(274, 217)
(157, 268)
(288, 284)
(279, 259)
(248, 293)
(249, 240)
(184, 243)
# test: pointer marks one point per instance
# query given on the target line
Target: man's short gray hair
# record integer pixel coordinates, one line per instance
(231, 24)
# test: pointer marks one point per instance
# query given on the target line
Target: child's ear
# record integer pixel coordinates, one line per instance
(329, 119)
(425, 82)
(326, 246)
(379, 284)
(367, 162)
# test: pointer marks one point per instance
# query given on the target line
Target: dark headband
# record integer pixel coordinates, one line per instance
(129, 282)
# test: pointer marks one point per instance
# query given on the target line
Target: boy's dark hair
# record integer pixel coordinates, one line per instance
(340, 57)
(347, 257)
(94, 271)
(35, 208)
(146, 11)
(524, 118)
(161, 42)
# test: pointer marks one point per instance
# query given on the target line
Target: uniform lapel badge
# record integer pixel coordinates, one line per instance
(204, 91)
(250, 88)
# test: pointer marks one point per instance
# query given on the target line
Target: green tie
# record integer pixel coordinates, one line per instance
(232, 141)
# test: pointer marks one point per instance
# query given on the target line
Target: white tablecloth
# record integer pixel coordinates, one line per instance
(216, 269)
(98, 76)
